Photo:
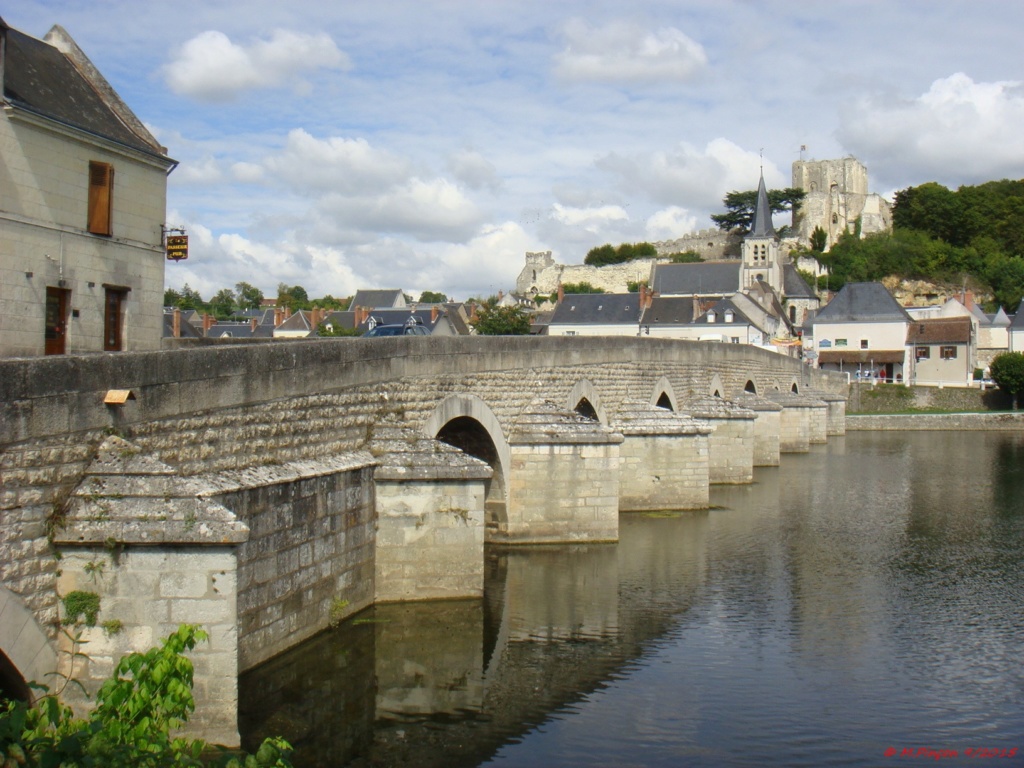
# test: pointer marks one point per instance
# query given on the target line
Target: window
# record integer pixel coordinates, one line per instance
(922, 353)
(729, 316)
(101, 198)
(113, 340)
(840, 342)
(711, 316)
(947, 353)
(735, 339)
(863, 343)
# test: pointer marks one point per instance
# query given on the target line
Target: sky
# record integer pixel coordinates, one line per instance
(429, 144)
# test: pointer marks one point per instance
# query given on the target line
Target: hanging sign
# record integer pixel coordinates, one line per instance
(177, 247)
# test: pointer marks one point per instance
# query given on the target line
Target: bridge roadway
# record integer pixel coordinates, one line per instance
(266, 491)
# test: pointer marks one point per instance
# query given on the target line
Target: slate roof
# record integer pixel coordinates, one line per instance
(720, 308)
(863, 303)
(1018, 320)
(762, 225)
(794, 286)
(708, 278)
(392, 297)
(953, 330)
(40, 79)
(597, 309)
(669, 310)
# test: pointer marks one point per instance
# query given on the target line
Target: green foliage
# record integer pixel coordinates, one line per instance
(607, 254)
(432, 297)
(502, 321)
(819, 239)
(336, 331)
(81, 604)
(633, 286)
(685, 257)
(739, 207)
(249, 296)
(223, 303)
(337, 611)
(294, 297)
(583, 287)
(1007, 370)
(148, 697)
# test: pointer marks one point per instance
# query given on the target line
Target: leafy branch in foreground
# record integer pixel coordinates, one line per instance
(148, 697)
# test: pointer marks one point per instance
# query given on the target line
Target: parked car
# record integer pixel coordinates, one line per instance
(402, 329)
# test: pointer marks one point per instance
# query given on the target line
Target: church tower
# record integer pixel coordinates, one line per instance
(760, 250)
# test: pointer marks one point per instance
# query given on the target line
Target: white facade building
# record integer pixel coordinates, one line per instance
(82, 206)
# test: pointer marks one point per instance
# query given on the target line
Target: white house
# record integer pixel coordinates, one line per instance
(82, 206)
(863, 331)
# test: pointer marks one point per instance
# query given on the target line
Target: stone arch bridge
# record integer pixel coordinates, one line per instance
(266, 491)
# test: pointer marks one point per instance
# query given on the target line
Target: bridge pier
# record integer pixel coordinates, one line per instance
(731, 443)
(430, 519)
(767, 427)
(664, 459)
(564, 479)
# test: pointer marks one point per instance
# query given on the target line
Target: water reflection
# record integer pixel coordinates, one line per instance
(867, 594)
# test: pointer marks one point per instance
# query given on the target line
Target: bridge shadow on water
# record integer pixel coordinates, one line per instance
(449, 683)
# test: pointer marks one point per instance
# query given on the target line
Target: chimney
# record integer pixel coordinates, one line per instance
(969, 299)
(278, 316)
(208, 323)
(176, 323)
(434, 311)
(254, 323)
(643, 296)
(287, 312)
(561, 292)
(362, 314)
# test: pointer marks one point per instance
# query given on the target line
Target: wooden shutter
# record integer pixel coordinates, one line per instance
(101, 195)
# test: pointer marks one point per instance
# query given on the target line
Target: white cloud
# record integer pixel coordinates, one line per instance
(590, 219)
(210, 67)
(699, 177)
(959, 130)
(473, 169)
(345, 166)
(625, 52)
(428, 210)
(670, 223)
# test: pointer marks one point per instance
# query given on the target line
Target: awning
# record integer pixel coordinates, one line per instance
(860, 356)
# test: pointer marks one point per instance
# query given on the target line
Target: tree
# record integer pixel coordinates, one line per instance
(223, 302)
(502, 321)
(190, 298)
(1007, 370)
(249, 296)
(139, 711)
(294, 297)
(819, 239)
(685, 257)
(583, 287)
(171, 297)
(606, 254)
(740, 207)
(432, 297)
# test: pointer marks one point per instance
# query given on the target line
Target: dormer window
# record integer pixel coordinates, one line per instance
(711, 316)
(729, 315)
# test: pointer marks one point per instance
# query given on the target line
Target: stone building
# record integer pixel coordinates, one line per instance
(837, 199)
(83, 194)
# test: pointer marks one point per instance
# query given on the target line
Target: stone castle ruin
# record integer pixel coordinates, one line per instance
(837, 200)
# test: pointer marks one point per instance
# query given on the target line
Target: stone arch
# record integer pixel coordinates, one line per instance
(664, 395)
(26, 653)
(795, 388)
(469, 424)
(584, 400)
(750, 387)
(716, 388)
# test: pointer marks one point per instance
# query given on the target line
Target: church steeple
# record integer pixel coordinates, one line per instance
(762, 226)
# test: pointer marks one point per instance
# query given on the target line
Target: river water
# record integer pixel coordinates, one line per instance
(853, 607)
